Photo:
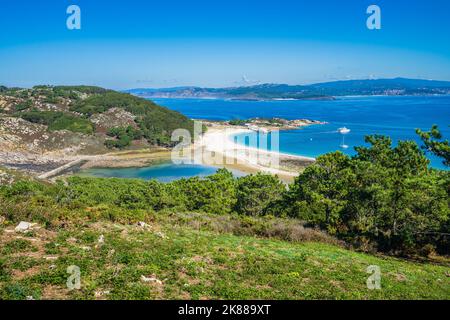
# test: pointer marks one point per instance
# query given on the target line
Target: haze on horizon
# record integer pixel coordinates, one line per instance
(174, 43)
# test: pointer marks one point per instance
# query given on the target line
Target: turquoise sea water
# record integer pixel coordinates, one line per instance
(164, 172)
(397, 117)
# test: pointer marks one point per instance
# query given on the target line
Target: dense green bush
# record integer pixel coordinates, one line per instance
(23, 105)
(257, 194)
(58, 121)
(71, 123)
(123, 137)
(214, 194)
(156, 123)
(385, 196)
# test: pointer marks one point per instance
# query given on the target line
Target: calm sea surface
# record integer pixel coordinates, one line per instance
(164, 172)
(397, 117)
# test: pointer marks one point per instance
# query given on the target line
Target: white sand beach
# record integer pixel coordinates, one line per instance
(216, 147)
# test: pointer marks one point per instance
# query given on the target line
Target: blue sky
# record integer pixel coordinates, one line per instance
(138, 43)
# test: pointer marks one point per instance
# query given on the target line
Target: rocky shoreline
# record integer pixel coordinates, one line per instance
(267, 124)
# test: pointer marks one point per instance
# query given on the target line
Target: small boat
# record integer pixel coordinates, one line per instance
(343, 130)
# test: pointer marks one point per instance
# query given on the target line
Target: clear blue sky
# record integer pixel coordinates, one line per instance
(148, 43)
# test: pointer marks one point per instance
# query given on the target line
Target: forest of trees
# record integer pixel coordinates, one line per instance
(155, 122)
(385, 198)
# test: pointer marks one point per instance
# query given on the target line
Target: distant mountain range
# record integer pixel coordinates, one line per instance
(318, 91)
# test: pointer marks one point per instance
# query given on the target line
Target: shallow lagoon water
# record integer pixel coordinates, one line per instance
(164, 172)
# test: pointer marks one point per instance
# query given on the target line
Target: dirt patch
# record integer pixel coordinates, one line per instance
(115, 117)
(55, 293)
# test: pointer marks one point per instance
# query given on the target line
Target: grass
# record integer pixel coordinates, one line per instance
(199, 261)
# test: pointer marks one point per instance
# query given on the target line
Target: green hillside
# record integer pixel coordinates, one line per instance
(73, 108)
(196, 256)
(188, 239)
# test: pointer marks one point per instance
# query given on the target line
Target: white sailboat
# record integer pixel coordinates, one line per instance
(343, 131)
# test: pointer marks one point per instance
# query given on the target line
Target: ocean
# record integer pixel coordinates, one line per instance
(394, 116)
(397, 117)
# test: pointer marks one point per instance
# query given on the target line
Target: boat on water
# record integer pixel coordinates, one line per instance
(343, 130)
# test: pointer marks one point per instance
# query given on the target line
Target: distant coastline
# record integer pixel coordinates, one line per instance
(304, 99)
(317, 91)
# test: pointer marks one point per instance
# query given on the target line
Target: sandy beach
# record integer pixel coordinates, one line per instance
(216, 147)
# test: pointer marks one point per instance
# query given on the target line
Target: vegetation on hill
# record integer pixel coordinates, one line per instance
(155, 122)
(56, 120)
(70, 108)
(189, 256)
(434, 143)
(27, 104)
(123, 137)
(396, 86)
(384, 198)
(120, 233)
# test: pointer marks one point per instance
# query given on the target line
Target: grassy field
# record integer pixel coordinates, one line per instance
(182, 256)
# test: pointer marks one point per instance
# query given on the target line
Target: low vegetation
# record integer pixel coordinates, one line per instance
(155, 122)
(132, 239)
(71, 108)
(225, 237)
(123, 137)
(168, 258)
(59, 121)
(383, 199)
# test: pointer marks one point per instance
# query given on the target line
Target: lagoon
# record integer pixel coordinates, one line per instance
(164, 172)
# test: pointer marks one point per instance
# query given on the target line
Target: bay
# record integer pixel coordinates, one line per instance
(393, 116)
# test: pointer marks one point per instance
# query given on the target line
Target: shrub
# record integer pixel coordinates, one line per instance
(124, 137)
(58, 121)
(257, 193)
(214, 194)
(156, 123)
(23, 105)
(385, 195)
